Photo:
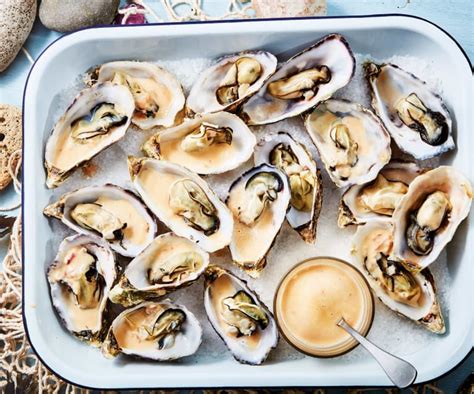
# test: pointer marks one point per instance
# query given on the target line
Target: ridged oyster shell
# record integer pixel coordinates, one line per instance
(259, 211)
(168, 263)
(208, 144)
(261, 333)
(158, 95)
(120, 205)
(139, 332)
(204, 97)
(72, 143)
(416, 292)
(456, 189)
(80, 279)
(377, 199)
(390, 87)
(197, 214)
(352, 142)
(304, 179)
(332, 52)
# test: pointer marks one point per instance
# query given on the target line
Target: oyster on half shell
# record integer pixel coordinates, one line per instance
(183, 202)
(230, 81)
(306, 79)
(158, 331)
(429, 214)
(97, 118)
(110, 212)
(242, 321)
(158, 95)
(379, 198)
(412, 295)
(208, 144)
(283, 152)
(416, 118)
(351, 141)
(80, 279)
(258, 200)
(168, 263)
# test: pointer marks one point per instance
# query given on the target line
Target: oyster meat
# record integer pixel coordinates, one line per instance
(379, 198)
(429, 214)
(98, 117)
(283, 152)
(158, 96)
(80, 279)
(306, 79)
(258, 200)
(115, 214)
(412, 295)
(168, 263)
(230, 81)
(242, 321)
(416, 118)
(182, 201)
(208, 144)
(154, 330)
(352, 142)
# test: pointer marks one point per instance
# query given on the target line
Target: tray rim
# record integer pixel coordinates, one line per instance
(463, 350)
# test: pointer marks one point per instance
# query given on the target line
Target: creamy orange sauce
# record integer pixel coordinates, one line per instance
(252, 241)
(206, 158)
(156, 186)
(387, 90)
(137, 227)
(69, 152)
(321, 125)
(314, 296)
(222, 288)
(380, 241)
(131, 332)
(79, 318)
(160, 94)
(167, 248)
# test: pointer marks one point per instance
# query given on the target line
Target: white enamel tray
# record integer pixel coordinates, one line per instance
(71, 55)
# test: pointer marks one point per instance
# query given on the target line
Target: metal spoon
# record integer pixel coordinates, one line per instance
(400, 372)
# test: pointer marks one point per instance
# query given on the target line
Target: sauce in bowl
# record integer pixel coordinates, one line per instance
(313, 297)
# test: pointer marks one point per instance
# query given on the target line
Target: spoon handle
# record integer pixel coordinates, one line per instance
(400, 372)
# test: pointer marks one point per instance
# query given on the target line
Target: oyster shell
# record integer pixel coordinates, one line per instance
(258, 200)
(154, 330)
(211, 144)
(352, 142)
(309, 77)
(182, 201)
(416, 118)
(98, 117)
(230, 81)
(282, 151)
(115, 214)
(412, 295)
(429, 214)
(158, 95)
(377, 199)
(235, 312)
(168, 263)
(80, 279)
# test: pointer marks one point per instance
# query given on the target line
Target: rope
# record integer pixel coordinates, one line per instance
(13, 167)
(132, 10)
